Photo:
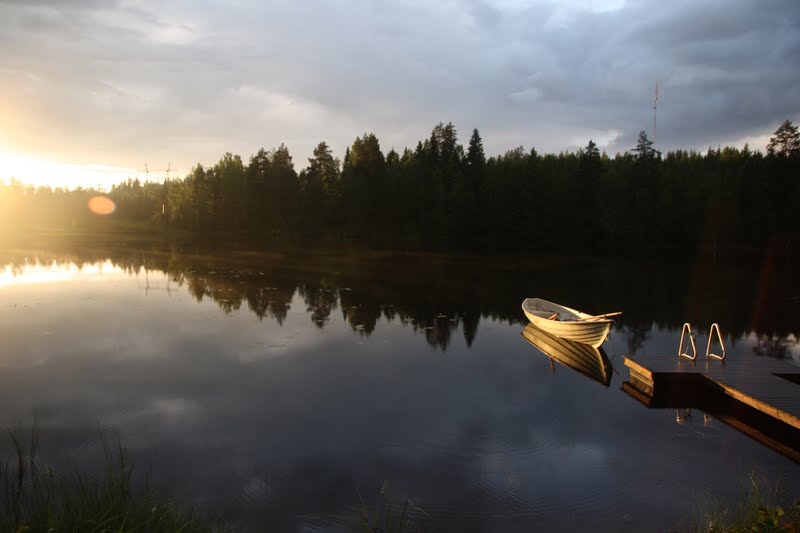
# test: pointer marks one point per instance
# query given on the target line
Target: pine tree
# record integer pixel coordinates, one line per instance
(785, 141)
(644, 147)
(591, 151)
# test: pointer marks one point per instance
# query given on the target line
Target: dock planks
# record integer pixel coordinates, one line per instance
(761, 382)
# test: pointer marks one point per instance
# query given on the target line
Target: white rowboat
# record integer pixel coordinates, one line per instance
(568, 323)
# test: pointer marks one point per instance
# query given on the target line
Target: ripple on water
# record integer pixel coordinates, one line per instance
(325, 522)
(532, 443)
(554, 476)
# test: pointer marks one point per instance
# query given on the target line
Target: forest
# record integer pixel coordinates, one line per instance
(441, 196)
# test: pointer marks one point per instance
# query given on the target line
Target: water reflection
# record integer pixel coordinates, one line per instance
(54, 272)
(453, 298)
(268, 292)
(688, 397)
(773, 345)
(590, 361)
(271, 388)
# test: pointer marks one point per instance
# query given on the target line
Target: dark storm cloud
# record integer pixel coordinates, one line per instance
(726, 68)
(190, 81)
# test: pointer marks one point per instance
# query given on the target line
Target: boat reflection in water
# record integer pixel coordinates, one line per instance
(590, 361)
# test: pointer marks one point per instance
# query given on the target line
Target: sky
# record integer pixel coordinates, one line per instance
(94, 91)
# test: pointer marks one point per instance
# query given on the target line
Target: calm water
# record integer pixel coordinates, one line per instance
(279, 390)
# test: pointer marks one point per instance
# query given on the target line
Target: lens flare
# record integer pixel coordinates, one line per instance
(100, 205)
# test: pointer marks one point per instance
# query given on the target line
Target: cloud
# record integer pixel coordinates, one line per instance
(123, 83)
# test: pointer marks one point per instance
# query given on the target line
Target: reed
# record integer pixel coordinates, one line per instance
(762, 509)
(33, 497)
(386, 520)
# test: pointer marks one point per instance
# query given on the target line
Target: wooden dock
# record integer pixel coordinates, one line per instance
(757, 395)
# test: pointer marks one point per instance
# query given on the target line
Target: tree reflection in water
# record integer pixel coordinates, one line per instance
(438, 295)
(774, 345)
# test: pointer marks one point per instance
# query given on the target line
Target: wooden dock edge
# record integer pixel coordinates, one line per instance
(755, 403)
(640, 377)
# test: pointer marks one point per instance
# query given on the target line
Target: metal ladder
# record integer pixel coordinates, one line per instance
(687, 329)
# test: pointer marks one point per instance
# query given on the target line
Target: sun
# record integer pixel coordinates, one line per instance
(39, 171)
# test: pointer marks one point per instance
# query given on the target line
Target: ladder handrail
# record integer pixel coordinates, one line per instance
(714, 327)
(688, 328)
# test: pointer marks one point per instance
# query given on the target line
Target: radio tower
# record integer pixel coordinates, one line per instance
(655, 109)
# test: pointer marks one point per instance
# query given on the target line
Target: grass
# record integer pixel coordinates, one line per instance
(763, 509)
(387, 520)
(35, 498)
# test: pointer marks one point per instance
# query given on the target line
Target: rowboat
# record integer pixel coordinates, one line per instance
(568, 323)
(590, 361)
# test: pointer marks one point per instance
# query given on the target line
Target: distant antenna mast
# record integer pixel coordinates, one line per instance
(655, 110)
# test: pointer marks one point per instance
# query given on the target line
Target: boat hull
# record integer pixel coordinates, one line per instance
(569, 324)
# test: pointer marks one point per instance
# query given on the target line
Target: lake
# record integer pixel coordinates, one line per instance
(279, 389)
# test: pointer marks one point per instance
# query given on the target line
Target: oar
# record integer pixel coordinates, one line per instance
(601, 317)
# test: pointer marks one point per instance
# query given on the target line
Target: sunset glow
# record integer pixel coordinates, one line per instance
(39, 171)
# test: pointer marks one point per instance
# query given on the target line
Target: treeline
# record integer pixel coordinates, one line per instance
(442, 196)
